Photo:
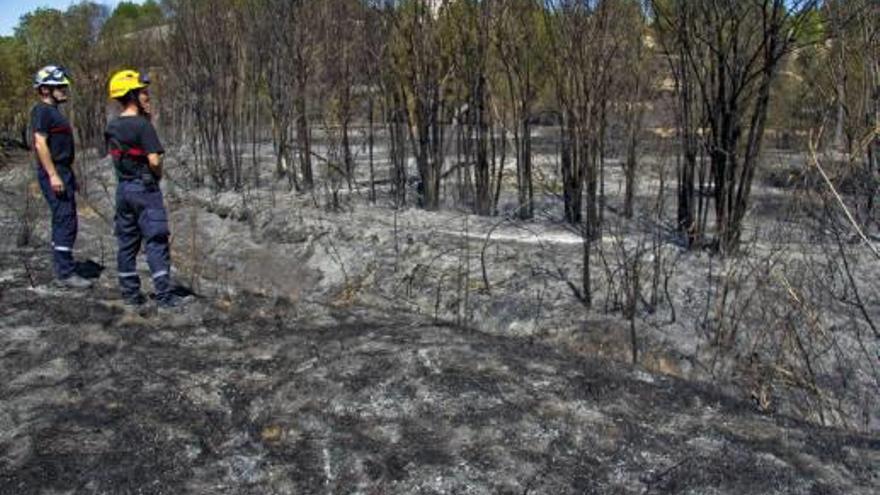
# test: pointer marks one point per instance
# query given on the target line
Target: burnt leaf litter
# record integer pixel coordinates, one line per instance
(96, 398)
(251, 394)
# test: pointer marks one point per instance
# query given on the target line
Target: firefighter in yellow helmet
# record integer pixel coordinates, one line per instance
(140, 210)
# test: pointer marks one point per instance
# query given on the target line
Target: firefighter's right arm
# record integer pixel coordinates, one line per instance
(155, 161)
(41, 145)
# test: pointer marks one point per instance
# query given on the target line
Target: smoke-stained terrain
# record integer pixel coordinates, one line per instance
(248, 396)
(318, 384)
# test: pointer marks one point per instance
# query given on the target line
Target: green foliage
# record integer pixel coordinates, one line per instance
(522, 52)
(813, 28)
(129, 17)
(425, 47)
(87, 39)
(462, 45)
(14, 84)
(41, 34)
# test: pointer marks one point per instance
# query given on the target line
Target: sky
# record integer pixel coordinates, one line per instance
(12, 10)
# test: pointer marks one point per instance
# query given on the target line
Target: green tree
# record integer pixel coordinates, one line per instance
(731, 52)
(422, 78)
(521, 45)
(14, 88)
(128, 17)
(41, 35)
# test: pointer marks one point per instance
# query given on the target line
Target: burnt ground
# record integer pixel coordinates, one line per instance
(249, 395)
(265, 387)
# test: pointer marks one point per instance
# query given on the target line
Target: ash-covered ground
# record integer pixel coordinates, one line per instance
(253, 396)
(359, 351)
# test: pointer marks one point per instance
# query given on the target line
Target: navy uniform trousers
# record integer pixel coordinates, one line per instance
(64, 220)
(141, 218)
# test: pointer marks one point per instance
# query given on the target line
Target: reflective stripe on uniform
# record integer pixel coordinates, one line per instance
(127, 274)
(64, 249)
(160, 274)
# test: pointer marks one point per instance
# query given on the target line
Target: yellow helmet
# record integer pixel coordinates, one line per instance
(127, 80)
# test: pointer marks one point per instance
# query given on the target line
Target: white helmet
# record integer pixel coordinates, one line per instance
(52, 75)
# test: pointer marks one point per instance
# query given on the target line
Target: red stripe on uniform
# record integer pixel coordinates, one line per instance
(131, 152)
